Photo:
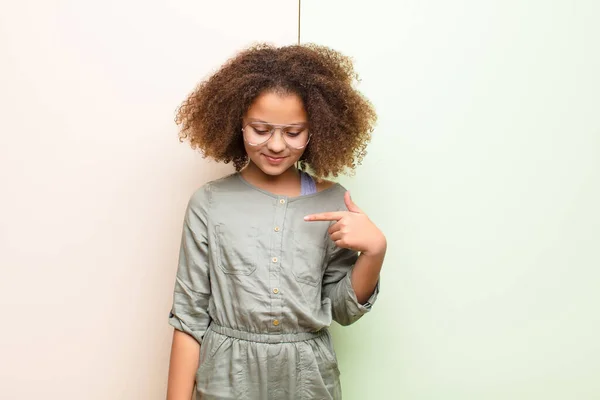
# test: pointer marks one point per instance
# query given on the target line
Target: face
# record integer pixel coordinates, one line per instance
(275, 156)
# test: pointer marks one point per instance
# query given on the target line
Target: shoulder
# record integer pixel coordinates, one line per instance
(323, 184)
(335, 188)
(332, 193)
(226, 187)
(223, 184)
(202, 196)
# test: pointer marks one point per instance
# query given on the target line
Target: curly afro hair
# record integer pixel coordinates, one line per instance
(340, 118)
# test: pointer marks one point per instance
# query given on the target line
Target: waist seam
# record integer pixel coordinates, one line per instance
(267, 337)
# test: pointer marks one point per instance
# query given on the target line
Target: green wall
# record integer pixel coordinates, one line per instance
(484, 172)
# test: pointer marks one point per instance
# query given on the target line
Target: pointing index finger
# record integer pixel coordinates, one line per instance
(326, 216)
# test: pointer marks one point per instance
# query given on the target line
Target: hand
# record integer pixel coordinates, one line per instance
(353, 229)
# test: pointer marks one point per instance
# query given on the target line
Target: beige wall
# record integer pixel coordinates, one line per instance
(93, 182)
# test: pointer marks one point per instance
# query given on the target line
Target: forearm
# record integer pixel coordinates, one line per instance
(365, 274)
(185, 354)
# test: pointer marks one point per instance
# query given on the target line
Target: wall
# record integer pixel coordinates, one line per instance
(94, 182)
(484, 172)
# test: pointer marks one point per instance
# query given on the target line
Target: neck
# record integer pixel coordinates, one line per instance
(287, 183)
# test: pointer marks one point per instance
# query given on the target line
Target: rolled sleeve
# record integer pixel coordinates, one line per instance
(337, 286)
(191, 295)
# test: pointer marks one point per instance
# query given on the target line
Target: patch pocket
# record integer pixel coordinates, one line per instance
(309, 257)
(237, 251)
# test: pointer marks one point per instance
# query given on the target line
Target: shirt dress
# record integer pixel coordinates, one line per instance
(257, 287)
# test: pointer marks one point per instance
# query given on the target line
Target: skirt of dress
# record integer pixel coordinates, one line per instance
(245, 366)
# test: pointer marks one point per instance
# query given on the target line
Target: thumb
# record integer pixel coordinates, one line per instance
(350, 204)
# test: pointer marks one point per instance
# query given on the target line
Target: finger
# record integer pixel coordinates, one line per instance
(340, 243)
(335, 227)
(336, 236)
(350, 204)
(326, 216)
(344, 245)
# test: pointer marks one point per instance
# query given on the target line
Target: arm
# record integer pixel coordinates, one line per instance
(365, 275)
(182, 366)
(189, 314)
(352, 281)
(339, 288)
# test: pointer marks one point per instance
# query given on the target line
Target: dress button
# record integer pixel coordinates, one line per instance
(274, 259)
(276, 229)
(281, 201)
(275, 290)
(276, 322)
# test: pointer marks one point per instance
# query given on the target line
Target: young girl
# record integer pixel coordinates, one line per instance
(270, 255)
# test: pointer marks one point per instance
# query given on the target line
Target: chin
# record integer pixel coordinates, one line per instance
(274, 170)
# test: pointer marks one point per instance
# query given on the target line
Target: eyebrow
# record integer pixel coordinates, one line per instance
(270, 123)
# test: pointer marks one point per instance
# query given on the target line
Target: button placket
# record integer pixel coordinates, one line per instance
(275, 266)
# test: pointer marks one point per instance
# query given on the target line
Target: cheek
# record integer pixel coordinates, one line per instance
(250, 151)
(296, 154)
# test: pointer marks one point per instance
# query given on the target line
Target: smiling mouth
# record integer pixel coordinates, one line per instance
(274, 159)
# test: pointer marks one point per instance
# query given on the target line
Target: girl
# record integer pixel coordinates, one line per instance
(270, 255)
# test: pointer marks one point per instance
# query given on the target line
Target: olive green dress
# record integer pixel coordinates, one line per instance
(257, 287)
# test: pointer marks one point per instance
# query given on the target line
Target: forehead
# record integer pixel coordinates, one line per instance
(277, 108)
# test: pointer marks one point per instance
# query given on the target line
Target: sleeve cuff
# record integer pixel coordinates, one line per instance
(354, 307)
(179, 325)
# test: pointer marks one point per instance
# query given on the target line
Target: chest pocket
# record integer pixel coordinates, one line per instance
(309, 258)
(237, 251)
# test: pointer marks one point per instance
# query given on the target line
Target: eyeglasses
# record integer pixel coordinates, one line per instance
(295, 136)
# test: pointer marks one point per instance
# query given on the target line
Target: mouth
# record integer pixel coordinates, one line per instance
(274, 160)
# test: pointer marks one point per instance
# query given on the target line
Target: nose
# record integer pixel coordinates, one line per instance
(276, 144)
